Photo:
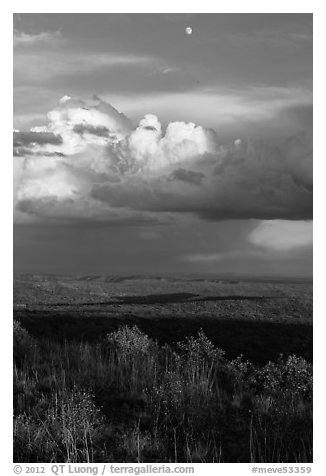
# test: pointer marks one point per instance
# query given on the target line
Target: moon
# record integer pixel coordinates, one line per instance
(189, 30)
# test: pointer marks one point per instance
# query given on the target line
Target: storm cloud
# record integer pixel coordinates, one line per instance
(89, 162)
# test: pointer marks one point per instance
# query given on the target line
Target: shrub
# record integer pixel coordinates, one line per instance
(200, 350)
(23, 344)
(187, 403)
(239, 372)
(129, 341)
(286, 381)
(66, 431)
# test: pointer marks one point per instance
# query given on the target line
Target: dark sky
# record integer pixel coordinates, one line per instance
(194, 155)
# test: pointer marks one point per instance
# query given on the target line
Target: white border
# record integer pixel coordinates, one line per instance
(168, 6)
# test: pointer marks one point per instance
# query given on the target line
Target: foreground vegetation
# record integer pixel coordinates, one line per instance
(126, 398)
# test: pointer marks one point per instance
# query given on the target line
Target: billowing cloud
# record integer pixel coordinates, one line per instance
(89, 162)
(242, 180)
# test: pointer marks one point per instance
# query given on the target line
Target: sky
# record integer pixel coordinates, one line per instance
(140, 149)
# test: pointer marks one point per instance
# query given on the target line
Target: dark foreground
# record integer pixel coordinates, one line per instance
(257, 319)
(89, 386)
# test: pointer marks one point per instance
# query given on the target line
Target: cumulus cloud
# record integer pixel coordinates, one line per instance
(89, 161)
(242, 180)
(147, 149)
(77, 122)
